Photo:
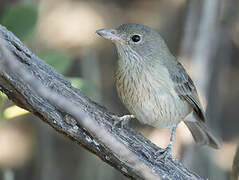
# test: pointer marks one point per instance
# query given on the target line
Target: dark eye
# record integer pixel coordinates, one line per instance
(136, 38)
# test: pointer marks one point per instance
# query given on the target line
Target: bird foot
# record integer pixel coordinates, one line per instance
(122, 121)
(163, 154)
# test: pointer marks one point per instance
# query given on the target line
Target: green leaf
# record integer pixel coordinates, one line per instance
(3, 97)
(85, 86)
(77, 82)
(21, 19)
(59, 60)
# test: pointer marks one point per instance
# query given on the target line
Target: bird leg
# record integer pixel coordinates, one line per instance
(122, 121)
(165, 153)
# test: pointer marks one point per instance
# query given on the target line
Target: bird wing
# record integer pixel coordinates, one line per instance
(185, 88)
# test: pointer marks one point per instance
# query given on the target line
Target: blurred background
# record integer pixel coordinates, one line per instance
(204, 35)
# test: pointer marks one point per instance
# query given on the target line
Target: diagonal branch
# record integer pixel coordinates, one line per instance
(35, 86)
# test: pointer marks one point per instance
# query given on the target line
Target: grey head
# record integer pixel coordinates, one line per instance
(136, 40)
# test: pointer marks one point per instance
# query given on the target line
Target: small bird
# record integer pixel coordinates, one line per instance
(154, 86)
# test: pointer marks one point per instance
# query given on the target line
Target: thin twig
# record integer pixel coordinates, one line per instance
(235, 166)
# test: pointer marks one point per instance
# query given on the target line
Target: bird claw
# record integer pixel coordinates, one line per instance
(163, 154)
(122, 121)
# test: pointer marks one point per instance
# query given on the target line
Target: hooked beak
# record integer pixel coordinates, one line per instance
(111, 34)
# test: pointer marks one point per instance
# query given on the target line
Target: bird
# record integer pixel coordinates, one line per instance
(154, 86)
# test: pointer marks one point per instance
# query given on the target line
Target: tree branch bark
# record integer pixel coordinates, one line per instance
(14, 84)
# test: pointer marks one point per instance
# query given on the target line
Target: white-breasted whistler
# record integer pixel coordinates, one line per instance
(154, 86)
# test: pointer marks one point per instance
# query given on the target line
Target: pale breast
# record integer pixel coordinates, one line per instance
(150, 96)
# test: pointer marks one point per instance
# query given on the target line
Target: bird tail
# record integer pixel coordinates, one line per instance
(202, 134)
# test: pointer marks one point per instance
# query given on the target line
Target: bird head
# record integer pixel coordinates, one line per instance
(136, 41)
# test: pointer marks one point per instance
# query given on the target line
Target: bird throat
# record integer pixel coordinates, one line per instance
(130, 75)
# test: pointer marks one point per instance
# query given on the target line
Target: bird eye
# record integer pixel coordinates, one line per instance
(136, 38)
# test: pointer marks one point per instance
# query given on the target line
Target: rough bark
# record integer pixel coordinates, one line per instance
(24, 95)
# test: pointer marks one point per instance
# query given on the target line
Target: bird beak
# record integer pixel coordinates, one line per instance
(111, 34)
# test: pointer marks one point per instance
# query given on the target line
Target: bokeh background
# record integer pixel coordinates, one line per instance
(204, 35)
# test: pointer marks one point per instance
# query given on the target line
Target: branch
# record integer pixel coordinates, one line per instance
(37, 87)
(235, 166)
